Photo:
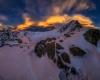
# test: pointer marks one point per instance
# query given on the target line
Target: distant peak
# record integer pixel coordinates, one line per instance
(74, 22)
(71, 26)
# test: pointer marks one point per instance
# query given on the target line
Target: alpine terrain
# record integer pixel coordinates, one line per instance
(69, 52)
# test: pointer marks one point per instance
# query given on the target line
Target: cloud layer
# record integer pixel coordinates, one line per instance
(42, 9)
(56, 7)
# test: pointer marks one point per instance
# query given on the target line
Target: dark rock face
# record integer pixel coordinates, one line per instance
(48, 46)
(76, 51)
(52, 49)
(60, 40)
(60, 64)
(77, 26)
(67, 35)
(73, 71)
(40, 49)
(65, 57)
(92, 36)
(58, 46)
(8, 35)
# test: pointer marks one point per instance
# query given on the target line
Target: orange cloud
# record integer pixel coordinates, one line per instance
(83, 20)
(27, 23)
(53, 20)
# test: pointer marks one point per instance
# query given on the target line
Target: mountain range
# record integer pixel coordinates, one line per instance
(69, 51)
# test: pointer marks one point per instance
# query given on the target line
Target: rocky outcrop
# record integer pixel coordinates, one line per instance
(48, 46)
(72, 26)
(52, 49)
(76, 51)
(40, 48)
(8, 35)
(92, 36)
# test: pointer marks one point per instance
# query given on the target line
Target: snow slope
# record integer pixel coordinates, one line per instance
(64, 53)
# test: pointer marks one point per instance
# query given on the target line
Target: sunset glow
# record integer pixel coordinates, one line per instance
(53, 20)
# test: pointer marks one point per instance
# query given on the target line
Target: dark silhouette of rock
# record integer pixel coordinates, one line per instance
(65, 57)
(92, 36)
(76, 51)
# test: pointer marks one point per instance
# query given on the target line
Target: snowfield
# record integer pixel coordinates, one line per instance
(60, 54)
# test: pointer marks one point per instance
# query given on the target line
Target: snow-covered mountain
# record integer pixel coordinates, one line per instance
(68, 52)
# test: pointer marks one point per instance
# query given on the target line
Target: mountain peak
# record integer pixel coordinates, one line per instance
(71, 26)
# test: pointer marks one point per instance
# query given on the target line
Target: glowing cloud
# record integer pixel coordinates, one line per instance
(27, 23)
(53, 20)
(83, 20)
(56, 19)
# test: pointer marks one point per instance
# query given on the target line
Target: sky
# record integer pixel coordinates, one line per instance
(11, 11)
